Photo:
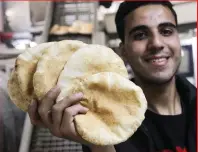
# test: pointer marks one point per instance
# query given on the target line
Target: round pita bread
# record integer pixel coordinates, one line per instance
(22, 76)
(14, 92)
(51, 64)
(89, 60)
(116, 108)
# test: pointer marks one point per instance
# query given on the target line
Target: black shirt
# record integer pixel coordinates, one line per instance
(171, 130)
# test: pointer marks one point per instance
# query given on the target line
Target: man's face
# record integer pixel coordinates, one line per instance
(152, 45)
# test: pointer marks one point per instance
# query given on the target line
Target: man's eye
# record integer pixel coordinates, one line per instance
(166, 32)
(139, 36)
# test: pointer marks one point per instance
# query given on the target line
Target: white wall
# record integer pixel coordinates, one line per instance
(38, 10)
(18, 15)
(186, 11)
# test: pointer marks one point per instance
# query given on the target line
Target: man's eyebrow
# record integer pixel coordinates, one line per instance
(145, 27)
(137, 28)
(168, 24)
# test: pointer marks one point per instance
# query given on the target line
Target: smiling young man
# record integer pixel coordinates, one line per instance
(151, 45)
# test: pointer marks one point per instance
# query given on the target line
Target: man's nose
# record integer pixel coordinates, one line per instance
(155, 43)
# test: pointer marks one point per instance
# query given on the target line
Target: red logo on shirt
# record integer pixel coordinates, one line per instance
(178, 149)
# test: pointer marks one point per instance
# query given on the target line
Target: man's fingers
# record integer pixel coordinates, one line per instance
(46, 105)
(71, 100)
(33, 114)
(67, 126)
(52, 94)
(57, 113)
(32, 109)
(75, 109)
(58, 110)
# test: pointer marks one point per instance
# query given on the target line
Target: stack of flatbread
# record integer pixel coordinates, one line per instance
(116, 105)
(77, 27)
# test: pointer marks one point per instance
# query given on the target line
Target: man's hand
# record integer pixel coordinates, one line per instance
(59, 117)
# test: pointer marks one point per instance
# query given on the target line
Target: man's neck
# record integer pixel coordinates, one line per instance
(162, 99)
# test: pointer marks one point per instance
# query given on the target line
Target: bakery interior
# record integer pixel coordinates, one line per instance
(91, 22)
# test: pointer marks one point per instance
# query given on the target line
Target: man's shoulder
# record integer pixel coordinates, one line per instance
(186, 90)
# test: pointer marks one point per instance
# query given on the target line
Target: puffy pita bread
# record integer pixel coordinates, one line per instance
(89, 60)
(51, 64)
(25, 67)
(14, 92)
(116, 108)
(59, 30)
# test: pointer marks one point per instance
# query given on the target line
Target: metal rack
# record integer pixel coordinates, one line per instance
(65, 13)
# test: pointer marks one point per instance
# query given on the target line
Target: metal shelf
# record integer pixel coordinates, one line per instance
(65, 13)
(87, 38)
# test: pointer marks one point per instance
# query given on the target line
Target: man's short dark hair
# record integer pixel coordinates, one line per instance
(128, 6)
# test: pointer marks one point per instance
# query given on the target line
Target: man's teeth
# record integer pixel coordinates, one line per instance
(158, 60)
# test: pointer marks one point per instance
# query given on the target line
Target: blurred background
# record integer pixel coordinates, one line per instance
(25, 24)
